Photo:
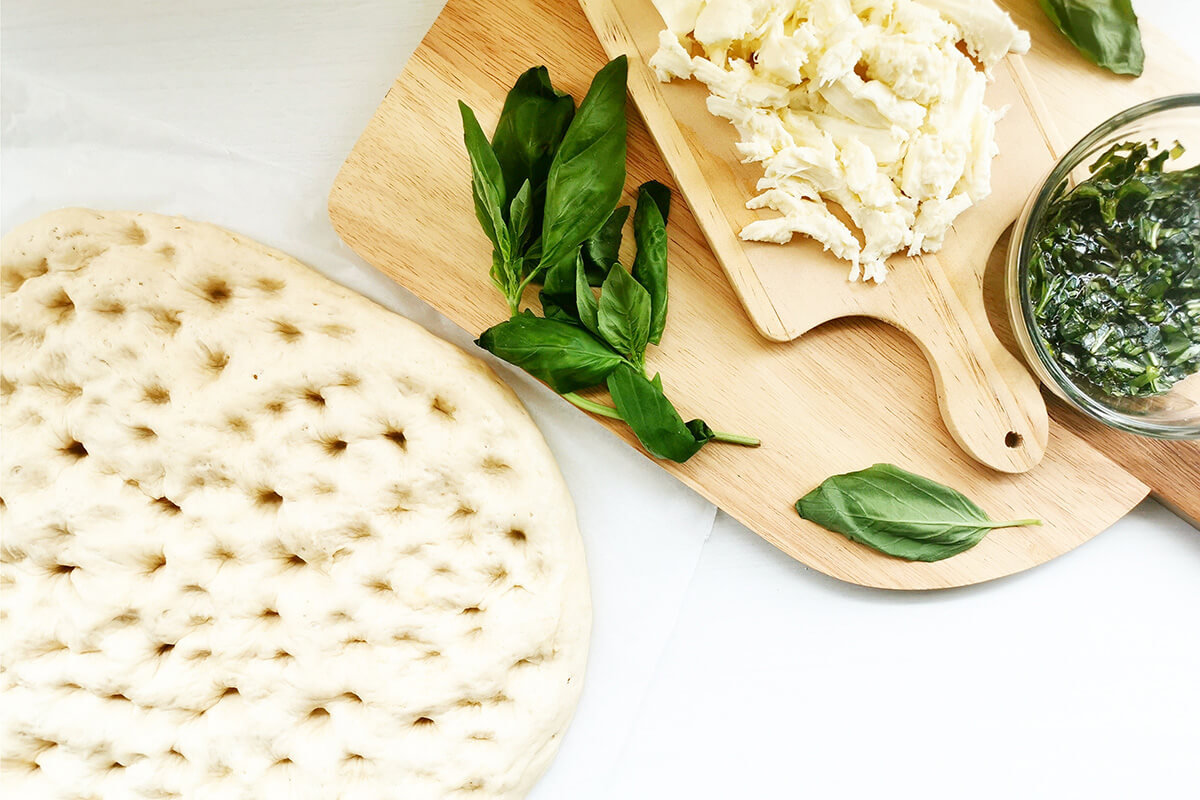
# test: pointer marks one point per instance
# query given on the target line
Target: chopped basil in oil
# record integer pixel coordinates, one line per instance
(1115, 273)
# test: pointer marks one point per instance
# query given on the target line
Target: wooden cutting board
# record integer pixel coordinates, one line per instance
(847, 394)
(989, 402)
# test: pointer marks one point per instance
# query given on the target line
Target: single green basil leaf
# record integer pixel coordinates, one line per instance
(585, 301)
(487, 183)
(899, 513)
(520, 213)
(650, 264)
(699, 428)
(624, 314)
(558, 284)
(661, 196)
(502, 274)
(559, 297)
(658, 426)
(532, 124)
(532, 255)
(552, 310)
(588, 172)
(1106, 31)
(604, 249)
(567, 358)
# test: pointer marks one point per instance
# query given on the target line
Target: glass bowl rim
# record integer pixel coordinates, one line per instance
(1064, 384)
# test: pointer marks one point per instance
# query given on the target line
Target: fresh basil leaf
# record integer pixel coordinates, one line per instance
(585, 301)
(487, 183)
(552, 310)
(533, 254)
(567, 358)
(520, 213)
(658, 426)
(624, 314)
(661, 196)
(558, 284)
(561, 301)
(1106, 31)
(899, 513)
(588, 172)
(698, 427)
(604, 249)
(532, 124)
(502, 274)
(650, 263)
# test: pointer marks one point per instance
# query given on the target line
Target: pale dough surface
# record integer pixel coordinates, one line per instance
(262, 537)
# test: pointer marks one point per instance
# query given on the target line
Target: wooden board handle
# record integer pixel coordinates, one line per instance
(998, 416)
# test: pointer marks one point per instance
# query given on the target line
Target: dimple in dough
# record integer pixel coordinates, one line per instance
(262, 537)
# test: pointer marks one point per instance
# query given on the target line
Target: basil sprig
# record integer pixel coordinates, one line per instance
(1106, 31)
(899, 513)
(546, 190)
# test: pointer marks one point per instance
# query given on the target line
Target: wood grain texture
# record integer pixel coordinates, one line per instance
(849, 393)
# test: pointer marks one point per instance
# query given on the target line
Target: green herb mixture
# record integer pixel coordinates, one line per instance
(1115, 273)
(546, 190)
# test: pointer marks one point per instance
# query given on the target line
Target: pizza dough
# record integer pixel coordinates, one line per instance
(263, 538)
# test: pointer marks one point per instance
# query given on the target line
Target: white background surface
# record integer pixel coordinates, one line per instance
(720, 668)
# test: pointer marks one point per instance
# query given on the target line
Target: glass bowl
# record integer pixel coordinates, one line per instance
(1174, 414)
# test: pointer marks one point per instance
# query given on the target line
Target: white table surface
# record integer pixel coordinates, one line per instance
(759, 678)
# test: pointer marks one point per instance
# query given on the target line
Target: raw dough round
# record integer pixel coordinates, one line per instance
(264, 538)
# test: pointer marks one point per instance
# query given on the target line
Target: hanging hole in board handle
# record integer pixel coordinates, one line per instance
(997, 416)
